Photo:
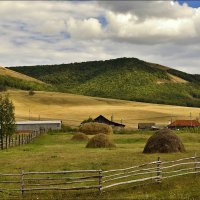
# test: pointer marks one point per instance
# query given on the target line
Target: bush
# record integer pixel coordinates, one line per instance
(94, 128)
(31, 92)
(80, 137)
(87, 120)
(100, 141)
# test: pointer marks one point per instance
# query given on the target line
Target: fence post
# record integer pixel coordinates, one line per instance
(22, 182)
(19, 140)
(195, 163)
(158, 171)
(100, 179)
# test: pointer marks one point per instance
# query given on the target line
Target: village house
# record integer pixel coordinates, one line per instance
(102, 119)
(179, 124)
(147, 126)
(28, 126)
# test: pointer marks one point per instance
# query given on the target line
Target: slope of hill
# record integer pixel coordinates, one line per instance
(12, 79)
(73, 109)
(123, 78)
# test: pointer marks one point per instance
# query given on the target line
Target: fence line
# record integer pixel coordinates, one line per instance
(19, 139)
(155, 171)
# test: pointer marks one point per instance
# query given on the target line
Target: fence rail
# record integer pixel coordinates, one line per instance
(155, 171)
(18, 139)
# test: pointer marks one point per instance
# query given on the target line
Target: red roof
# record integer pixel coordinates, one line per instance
(185, 123)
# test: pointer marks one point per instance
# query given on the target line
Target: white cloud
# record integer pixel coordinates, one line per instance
(48, 32)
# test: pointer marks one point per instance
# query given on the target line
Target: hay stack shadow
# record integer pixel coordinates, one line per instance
(164, 141)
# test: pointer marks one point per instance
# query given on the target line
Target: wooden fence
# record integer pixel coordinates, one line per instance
(155, 171)
(19, 139)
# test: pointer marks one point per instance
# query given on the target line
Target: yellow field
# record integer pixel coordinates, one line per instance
(72, 109)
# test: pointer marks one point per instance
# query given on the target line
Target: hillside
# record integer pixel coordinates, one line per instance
(12, 79)
(73, 109)
(123, 78)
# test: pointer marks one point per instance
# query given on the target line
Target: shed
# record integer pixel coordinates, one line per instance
(102, 119)
(146, 126)
(184, 124)
(22, 126)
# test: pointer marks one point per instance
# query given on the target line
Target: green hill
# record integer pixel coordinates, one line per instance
(12, 79)
(122, 78)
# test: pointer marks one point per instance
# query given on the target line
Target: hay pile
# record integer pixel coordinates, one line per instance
(80, 137)
(164, 141)
(100, 141)
(94, 128)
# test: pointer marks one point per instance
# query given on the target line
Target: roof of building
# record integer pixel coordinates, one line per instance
(105, 120)
(183, 123)
(38, 122)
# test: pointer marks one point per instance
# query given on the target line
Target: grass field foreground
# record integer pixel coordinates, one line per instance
(53, 152)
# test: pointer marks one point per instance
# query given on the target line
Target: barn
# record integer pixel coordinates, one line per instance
(23, 126)
(102, 119)
(178, 124)
(146, 126)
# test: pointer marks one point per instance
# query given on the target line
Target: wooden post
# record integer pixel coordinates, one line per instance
(22, 139)
(9, 141)
(195, 163)
(22, 182)
(16, 140)
(100, 179)
(19, 140)
(158, 172)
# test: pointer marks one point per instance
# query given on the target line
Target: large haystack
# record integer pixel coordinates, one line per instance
(164, 141)
(80, 137)
(100, 141)
(94, 128)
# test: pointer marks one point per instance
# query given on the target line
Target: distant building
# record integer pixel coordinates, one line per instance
(28, 126)
(178, 124)
(102, 119)
(147, 126)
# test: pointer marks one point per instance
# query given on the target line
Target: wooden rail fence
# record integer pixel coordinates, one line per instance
(154, 172)
(19, 139)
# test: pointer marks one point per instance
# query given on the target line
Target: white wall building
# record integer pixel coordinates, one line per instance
(38, 125)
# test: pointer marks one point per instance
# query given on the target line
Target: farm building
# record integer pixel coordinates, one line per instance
(44, 126)
(178, 124)
(146, 126)
(102, 119)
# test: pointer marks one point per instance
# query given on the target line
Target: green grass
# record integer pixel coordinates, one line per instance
(52, 152)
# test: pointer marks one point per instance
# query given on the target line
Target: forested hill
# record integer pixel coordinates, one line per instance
(11, 79)
(122, 78)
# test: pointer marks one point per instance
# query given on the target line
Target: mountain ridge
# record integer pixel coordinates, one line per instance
(121, 78)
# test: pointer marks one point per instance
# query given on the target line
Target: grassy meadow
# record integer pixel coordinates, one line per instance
(73, 109)
(56, 151)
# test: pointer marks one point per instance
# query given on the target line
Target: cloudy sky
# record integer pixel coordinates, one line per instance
(54, 32)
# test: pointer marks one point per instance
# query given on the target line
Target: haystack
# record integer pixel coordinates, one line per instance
(164, 141)
(80, 137)
(94, 128)
(100, 141)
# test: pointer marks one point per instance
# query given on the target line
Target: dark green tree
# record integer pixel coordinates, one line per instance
(7, 118)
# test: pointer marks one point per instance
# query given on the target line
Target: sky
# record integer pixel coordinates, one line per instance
(56, 32)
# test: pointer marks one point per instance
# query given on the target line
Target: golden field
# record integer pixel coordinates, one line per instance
(72, 109)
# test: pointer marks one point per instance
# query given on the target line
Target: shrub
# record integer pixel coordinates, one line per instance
(87, 120)
(31, 92)
(80, 137)
(100, 141)
(94, 128)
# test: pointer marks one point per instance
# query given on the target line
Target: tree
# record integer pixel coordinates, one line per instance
(7, 118)
(31, 92)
